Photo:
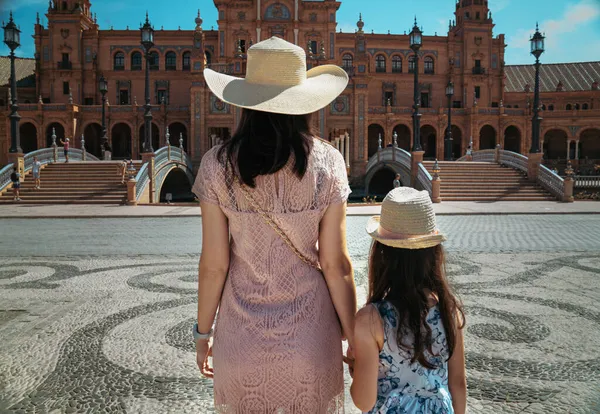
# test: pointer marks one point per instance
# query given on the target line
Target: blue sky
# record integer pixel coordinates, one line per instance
(572, 26)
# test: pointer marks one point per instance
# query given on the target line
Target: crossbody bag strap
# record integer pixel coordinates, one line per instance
(269, 220)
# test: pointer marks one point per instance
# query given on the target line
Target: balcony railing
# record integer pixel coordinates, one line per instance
(64, 65)
(380, 69)
(226, 68)
(119, 67)
(478, 70)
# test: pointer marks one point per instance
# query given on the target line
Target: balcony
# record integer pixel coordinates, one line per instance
(64, 65)
(380, 69)
(226, 68)
(478, 70)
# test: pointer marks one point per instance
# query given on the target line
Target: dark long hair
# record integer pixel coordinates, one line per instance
(264, 142)
(402, 277)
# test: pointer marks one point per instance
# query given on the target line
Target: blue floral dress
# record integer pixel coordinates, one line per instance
(409, 388)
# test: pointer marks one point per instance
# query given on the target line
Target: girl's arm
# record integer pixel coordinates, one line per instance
(214, 264)
(337, 268)
(457, 376)
(368, 334)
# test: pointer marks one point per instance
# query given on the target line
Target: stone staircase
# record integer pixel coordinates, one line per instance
(483, 181)
(74, 183)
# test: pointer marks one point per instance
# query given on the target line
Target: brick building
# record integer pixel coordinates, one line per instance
(491, 105)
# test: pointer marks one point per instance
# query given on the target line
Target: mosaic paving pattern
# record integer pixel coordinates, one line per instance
(111, 333)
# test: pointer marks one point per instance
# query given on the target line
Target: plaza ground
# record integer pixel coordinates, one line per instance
(95, 313)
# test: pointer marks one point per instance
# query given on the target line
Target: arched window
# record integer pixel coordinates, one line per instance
(543, 107)
(569, 107)
(347, 61)
(171, 61)
(185, 60)
(551, 107)
(154, 60)
(429, 65)
(136, 61)
(396, 64)
(380, 64)
(411, 64)
(119, 63)
(577, 107)
(517, 106)
(585, 107)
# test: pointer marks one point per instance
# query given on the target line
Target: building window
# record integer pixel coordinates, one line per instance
(396, 64)
(380, 64)
(136, 61)
(516, 106)
(186, 63)
(585, 107)
(88, 101)
(388, 97)
(494, 104)
(551, 107)
(456, 104)
(429, 65)
(313, 47)
(477, 92)
(207, 58)
(124, 97)
(467, 15)
(569, 107)
(424, 100)
(243, 45)
(160, 96)
(477, 15)
(119, 63)
(543, 107)
(66, 88)
(154, 61)
(411, 64)
(577, 107)
(171, 61)
(347, 61)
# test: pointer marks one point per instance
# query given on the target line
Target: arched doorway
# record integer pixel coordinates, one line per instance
(457, 138)
(555, 144)
(512, 139)
(218, 135)
(375, 131)
(487, 138)
(403, 136)
(177, 184)
(177, 130)
(93, 139)
(121, 141)
(155, 137)
(59, 131)
(589, 142)
(429, 142)
(28, 134)
(382, 182)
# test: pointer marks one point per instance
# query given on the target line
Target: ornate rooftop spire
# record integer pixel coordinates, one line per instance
(360, 24)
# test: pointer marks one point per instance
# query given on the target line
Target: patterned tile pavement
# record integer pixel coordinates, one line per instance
(100, 323)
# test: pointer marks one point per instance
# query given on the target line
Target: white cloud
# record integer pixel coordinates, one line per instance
(498, 5)
(574, 16)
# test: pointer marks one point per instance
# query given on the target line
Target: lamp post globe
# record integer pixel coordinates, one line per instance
(416, 41)
(147, 41)
(537, 48)
(12, 39)
(448, 141)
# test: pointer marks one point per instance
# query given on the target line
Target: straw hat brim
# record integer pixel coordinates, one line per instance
(323, 84)
(416, 242)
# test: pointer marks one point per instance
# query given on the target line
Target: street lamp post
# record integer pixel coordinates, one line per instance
(537, 48)
(448, 141)
(12, 39)
(416, 41)
(147, 43)
(103, 87)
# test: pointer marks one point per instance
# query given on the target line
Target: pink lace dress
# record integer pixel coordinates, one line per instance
(277, 345)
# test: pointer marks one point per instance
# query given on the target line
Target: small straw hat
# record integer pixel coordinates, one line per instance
(407, 220)
(277, 81)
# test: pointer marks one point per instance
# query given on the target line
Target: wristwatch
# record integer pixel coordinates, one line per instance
(200, 336)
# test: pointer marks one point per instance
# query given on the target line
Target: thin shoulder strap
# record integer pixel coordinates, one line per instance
(274, 225)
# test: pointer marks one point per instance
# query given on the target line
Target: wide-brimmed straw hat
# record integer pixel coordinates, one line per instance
(277, 81)
(407, 220)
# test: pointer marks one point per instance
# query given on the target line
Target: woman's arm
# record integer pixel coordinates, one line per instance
(214, 264)
(337, 268)
(457, 376)
(366, 358)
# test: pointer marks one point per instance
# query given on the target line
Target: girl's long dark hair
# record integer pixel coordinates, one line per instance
(264, 142)
(402, 277)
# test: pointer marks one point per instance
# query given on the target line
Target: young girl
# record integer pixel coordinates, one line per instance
(408, 339)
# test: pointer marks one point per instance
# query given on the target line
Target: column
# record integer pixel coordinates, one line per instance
(576, 150)
(347, 148)
(258, 29)
(568, 150)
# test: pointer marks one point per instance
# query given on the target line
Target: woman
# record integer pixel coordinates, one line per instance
(269, 195)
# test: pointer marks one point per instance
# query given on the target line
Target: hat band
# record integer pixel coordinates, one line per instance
(386, 234)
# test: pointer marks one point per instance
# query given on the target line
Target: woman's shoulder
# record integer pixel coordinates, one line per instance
(211, 159)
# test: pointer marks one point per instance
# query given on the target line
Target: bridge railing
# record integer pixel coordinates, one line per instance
(551, 182)
(142, 180)
(5, 173)
(424, 179)
(480, 156)
(514, 160)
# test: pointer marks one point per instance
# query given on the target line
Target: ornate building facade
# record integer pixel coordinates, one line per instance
(491, 104)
